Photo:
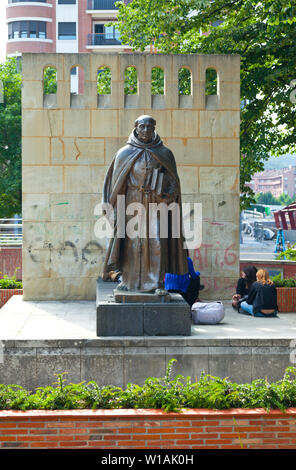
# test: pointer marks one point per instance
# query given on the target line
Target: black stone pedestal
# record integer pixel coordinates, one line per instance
(140, 318)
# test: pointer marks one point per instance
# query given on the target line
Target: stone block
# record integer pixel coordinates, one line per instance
(99, 60)
(229, 95)
(168, 319)
(117, 95)
(190, 151)
(226, 208)
(189, 61)
(141, 363)
(36, 151)
(97, 177)
(33, 65)
(46, 289)
(77, 151)
(36, 263)
(19, 367)
(50, 101)
(119, 319)
(81, 60)
(222, 287)
(227, 66)
(40, 235)
(42, 179)
(80, 288)
(270, 362)
(191, 361)
(112, 145)
(171, 94)
(132, 60)
(77, 179)
(126, 119)
(185, 123)
(233, 362)
(221, 181)
(35, 207)
(220, 124)
(103, 365)
(76, 123)
(189, 179)
(32, 94)
(186, 101)
(226, 152)
(160, 61)
(42, 123)
(63, 94)
(65, 207)
(52, 361)
(163, 121)
(104, 123)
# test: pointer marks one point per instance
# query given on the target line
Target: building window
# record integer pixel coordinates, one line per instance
(67, 2)
(27, 29)
(67, 31)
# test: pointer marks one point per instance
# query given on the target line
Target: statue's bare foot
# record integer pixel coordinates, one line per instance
(161, 292)
(122, 286)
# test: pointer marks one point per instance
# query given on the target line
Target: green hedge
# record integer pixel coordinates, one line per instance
(279, 282)
(158, 393)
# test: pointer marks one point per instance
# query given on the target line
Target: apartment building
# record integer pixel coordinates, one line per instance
(62, 26)
(277, 182)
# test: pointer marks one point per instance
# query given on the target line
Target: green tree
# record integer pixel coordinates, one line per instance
(285, 199)
(10, 140)
(263, 33)
(266, 198)
(49, 80)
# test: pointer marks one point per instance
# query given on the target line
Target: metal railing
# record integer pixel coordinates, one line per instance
(101, 39)
(101, 5)
(11, 232)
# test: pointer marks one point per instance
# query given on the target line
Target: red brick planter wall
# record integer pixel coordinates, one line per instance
(131, 429)
(10, 259)
(286, 298)
(5, 295)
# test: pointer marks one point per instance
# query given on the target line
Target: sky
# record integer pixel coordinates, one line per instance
(3, 29)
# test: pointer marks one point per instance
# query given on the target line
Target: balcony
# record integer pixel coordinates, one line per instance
(103, 39)
(101, 5)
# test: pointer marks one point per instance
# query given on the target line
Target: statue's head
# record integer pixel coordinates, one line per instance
(145, 126)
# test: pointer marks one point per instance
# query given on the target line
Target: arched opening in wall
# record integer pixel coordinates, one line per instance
(211, 88)
(77, 86)
(185, 87)
(104, 87)
(50, 87)
(157, 87)
(131, 97)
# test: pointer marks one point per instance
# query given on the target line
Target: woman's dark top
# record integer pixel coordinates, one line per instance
(241, 287)
(262, 296)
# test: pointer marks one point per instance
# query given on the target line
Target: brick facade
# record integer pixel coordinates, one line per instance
(144, 429)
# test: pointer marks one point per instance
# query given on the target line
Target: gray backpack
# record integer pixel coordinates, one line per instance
(207, 313)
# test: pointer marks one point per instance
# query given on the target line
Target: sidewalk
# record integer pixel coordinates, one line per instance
(21, 320)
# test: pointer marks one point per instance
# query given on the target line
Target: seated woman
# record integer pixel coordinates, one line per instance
(262, 298)
(244, 284)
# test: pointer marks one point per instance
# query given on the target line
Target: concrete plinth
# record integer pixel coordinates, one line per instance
(40, 339)
(140, 314)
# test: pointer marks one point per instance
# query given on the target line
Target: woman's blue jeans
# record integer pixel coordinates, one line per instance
(249, 309)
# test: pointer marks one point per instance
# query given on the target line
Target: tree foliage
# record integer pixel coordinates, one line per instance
(263, 33)
(10, 140)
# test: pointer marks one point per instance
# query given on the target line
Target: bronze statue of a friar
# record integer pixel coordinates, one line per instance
(144, 172)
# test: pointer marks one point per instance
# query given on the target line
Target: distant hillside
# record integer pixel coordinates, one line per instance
(275, 163)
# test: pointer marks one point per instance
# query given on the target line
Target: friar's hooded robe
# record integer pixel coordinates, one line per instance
(143, 261)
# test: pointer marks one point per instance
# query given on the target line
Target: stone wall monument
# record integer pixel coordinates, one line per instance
(69, 142)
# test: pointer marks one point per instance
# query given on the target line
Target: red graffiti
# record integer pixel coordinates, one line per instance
(224, 257)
